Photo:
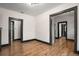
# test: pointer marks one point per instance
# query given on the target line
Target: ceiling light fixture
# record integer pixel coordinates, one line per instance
(33, 4)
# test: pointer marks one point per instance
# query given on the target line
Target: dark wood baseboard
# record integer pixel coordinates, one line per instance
(76, 52)
(16, 39)
(42, 41)
(28, 40)
(70, 39)
(4, 45)
(36, 40)
(56, 38)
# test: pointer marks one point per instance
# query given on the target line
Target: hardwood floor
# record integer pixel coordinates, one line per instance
(34, 48)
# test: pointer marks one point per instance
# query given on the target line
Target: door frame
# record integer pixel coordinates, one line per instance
(0, 37)
(16, 19)
(75, 9)
(58, 28)
(13, 30)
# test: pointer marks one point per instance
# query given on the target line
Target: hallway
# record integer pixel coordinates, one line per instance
(35, 48)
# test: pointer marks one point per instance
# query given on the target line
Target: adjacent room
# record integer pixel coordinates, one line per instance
(63, 30)
(39, 29)
(15, 29)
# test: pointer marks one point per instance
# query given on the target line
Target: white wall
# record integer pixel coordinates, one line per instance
(42, 21)
(28, 26)
(42, 27)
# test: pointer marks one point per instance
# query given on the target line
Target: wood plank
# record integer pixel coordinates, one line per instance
(62, 47)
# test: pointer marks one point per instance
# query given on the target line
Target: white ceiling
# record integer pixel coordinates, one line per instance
(33, 10)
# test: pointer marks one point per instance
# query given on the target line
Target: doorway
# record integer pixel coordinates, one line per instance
(62, 29)
(75, 25)
(15, 29)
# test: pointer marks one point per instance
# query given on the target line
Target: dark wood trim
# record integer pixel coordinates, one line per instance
(0, 37)
(70, 39)
(21, 30)
(28, 40)
(75, 23)
(16, 39)
(56, 37)
(43, 41)
(36, 40)
(77, 52)
(13, 29)
(75, 27)
(50, 31)
(16, 19)
(58, 28)
(64, 11)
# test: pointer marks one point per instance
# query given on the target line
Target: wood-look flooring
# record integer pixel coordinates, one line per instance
(61, 47)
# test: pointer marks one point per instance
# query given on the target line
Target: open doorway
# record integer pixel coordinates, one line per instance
(60, 29)
(15, 29)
